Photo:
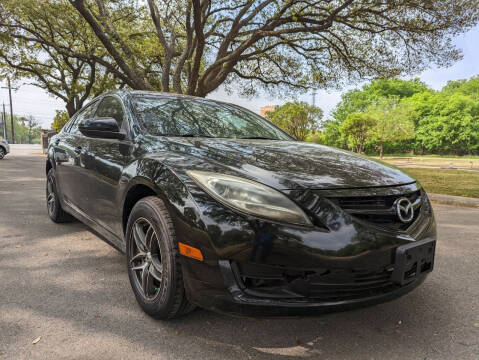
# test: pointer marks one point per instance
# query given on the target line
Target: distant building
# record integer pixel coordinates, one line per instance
(45, 137)
(266, 109)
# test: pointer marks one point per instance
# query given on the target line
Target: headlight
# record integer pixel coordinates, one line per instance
(250, 197)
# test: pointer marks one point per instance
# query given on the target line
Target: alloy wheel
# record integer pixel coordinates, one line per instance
(146, 261)
(50, 196)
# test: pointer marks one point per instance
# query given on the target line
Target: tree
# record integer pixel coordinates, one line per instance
(33, 129)
(27, 130)
(393, 121)
(358, 100)
(465, 87)
(357, 130)
(32, 36)
(59, 121)
(331, 134)
(279, 45)
(315, 137)
(298, 118)
(448, 122)
(428, 121)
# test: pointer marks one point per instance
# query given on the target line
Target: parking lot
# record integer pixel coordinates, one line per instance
(64, 285)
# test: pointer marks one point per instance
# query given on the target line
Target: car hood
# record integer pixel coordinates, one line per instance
(284, 164)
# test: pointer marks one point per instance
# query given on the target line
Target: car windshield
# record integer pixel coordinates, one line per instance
(178, 116)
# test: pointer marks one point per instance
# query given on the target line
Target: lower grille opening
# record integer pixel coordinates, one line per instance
(426, 265)
(269, 281)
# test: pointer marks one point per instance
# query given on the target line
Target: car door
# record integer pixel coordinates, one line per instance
(69, 154)
(104, 165)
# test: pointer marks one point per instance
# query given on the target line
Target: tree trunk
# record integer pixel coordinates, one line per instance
(381, 151)
(71, 108)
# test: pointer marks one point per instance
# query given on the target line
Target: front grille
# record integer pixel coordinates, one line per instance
(270, 281)
(379, 209)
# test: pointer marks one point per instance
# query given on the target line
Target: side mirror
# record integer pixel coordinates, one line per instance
(104, 127)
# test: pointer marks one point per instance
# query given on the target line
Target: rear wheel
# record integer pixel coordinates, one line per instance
(153, 261)
(2, 153)
(55, 210)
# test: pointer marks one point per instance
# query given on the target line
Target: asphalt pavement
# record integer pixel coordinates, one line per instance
(68, 291)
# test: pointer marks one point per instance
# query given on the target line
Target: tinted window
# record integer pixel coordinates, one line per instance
(68, 125)
(111, 107)
(175, 116)
(85, 113)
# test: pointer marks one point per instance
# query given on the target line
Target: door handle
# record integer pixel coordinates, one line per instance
(78, 150)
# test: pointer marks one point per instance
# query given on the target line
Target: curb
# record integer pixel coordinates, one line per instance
(454, 200)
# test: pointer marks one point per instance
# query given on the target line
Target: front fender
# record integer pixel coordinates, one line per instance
(50, 158)
(159, 176)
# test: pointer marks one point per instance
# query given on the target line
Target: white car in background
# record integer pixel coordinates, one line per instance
(4, 148)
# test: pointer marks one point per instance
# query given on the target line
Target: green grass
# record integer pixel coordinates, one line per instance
(427, 156)
(449, 182)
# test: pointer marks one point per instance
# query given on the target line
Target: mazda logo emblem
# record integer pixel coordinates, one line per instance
(404, 210)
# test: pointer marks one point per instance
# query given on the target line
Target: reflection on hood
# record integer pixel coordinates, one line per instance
(284, 164)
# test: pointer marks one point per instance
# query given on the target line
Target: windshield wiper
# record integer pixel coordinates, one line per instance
(186, 135)
(194, 135)
(257, 138)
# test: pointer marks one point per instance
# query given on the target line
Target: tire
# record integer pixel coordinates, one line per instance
(153, 261)
(2, 153)
(54, 208)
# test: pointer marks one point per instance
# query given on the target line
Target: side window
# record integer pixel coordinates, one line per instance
(68, 125)
(111, 107)
(86, 113)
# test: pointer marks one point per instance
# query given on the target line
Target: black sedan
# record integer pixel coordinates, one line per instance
(216, 207)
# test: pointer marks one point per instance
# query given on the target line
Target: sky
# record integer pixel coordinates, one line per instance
(30, 100)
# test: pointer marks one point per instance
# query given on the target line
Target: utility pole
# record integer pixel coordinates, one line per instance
(11, 109)
(4, 123)
(314, 97)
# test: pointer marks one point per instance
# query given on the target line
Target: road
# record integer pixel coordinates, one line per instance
(63, 284)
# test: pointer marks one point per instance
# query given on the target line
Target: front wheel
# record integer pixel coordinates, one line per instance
(2, 153)
(153, 260)
(55, 210)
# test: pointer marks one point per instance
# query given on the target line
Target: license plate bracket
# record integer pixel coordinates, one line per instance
(413, 260)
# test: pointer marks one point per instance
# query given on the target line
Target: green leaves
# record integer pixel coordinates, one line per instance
(27, 129)
(358, 100)
(409, 116)
(60, 119)
(450, 123)
(393, 121)
(298, 118)
(50, 45)
(281, 47)
(357, 129)
(76, 49)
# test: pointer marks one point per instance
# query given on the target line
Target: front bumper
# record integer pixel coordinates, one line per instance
(258, 268)
(294, 292)
(237, 303)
